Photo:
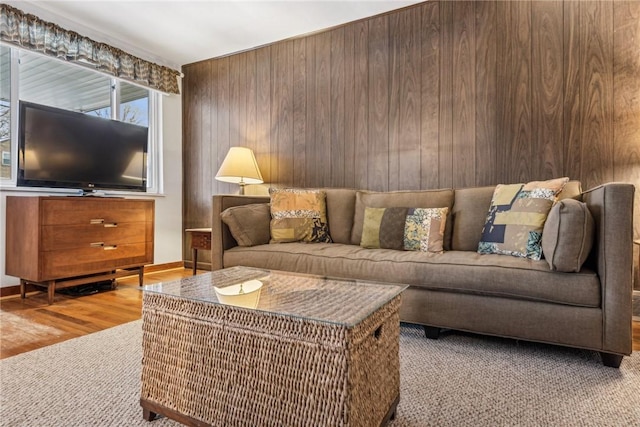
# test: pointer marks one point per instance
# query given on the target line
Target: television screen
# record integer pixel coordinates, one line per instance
(61, 148)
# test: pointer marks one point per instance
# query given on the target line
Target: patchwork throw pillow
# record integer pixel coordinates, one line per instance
(383, 228)
(568, 235)
(399, 199)
(424, 229)
(516, 218)
(299, 215)
(411, 229)
(248, 224)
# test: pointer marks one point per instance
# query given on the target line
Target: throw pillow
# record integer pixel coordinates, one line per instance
(424, 229)
(384, 228)
(248, 224)
(399, 199)
(516, 218)
(568, 235)
(299, 215)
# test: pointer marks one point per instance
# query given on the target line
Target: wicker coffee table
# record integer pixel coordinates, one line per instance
(315, 351)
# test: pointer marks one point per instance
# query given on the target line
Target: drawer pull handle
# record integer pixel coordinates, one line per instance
(110, 225)
(110, 247)
(96, 221)
(96, 244)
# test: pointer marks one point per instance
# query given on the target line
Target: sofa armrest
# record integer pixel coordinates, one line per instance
(612, 255)
(221, 238)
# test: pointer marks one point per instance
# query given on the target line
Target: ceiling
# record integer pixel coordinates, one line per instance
(176, 33)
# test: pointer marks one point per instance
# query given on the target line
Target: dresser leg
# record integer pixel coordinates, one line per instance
(23, 289)
(51, 290)
(141, 275)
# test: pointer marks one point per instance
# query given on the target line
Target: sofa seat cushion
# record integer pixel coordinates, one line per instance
(454, 271)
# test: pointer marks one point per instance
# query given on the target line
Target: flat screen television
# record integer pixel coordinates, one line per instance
(65, 149)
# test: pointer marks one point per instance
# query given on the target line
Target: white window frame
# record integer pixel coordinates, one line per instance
(155, 184)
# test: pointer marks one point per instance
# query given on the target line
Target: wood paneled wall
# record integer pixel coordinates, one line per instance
(440, 94)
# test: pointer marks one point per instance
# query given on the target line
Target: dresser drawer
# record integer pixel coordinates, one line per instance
(201, 241)
(69, 262)
(57, 237)
(65, 212)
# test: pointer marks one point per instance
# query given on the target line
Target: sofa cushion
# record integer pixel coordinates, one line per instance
(298, 215)
(248, 224)
(516, 218)
(424, 229)
(399, 199)
(568, 235)
(341, 203)
(469, 213)
(452, 271)
(384, 228)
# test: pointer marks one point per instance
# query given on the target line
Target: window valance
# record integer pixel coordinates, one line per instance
(30, 32)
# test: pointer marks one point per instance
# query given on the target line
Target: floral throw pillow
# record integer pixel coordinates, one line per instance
(424, 229)
(299, 215)
(516, 218)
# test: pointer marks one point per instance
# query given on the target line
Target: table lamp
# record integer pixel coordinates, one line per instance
(240, 167)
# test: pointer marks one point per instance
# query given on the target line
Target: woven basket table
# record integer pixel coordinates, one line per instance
(315, 352)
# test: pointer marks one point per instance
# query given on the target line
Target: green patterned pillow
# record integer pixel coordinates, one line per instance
(383, 228)
(424, 229)
(299, 216)
(411, 229)
(516, 218)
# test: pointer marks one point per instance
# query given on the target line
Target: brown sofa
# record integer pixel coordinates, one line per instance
(459, 288)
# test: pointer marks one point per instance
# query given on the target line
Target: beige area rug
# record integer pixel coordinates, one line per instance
(16, 328)
(458, 380)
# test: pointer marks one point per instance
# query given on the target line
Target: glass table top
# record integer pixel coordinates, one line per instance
(340, 301)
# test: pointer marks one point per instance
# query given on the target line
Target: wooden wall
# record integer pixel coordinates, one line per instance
(441, 94)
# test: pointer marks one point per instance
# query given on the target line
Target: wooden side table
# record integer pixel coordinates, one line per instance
(200, 239)
(637, 289)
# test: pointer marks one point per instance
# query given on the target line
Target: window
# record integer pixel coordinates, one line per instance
(5, 112)
(48, 81)
(134, 104)
(59, 84)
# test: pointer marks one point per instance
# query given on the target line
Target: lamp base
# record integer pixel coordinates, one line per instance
(241, 188)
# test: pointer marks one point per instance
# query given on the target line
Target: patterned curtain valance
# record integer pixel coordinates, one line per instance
(30, 32)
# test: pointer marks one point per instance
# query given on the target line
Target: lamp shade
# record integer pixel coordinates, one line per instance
(240, 167)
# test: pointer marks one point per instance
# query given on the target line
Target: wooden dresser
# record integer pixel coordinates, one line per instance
(57, 242)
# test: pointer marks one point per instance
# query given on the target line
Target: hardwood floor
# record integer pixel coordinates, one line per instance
(31, 323)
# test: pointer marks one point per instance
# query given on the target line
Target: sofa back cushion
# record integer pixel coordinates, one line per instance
(400, 199)
(468, 215)
(340, 207)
